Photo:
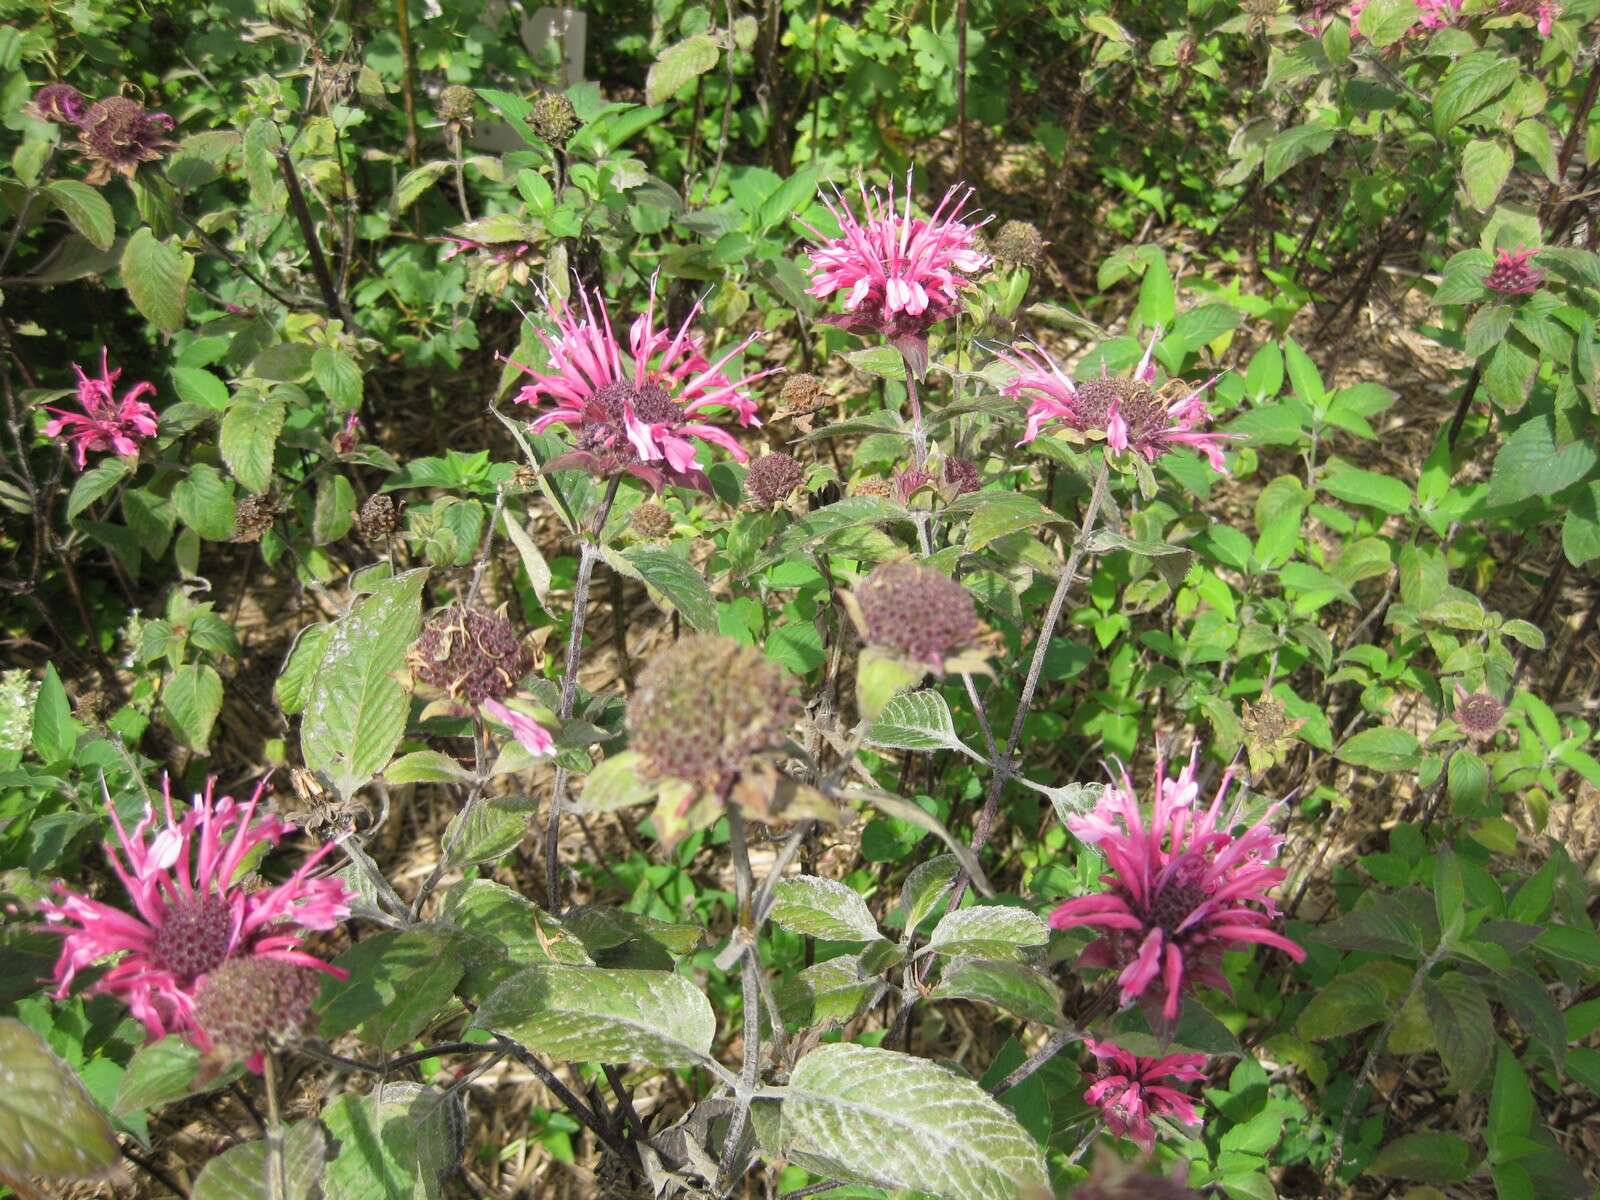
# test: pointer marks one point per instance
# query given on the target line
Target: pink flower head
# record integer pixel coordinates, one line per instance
(106, 422)
(1128, 1092)
(1511, 274)
(191, 912)
(533, 737)
(1131, 413)
(639, 416)
(1181, 890)
(900, 274)
(348, 438)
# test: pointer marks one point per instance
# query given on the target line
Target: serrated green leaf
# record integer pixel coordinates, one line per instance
(246, 1172)
(95, 483)
(204, 502)
(675, 578)
(156, 275)
(1019, 989)
(191, 701)
(49, 1125)
(988, 931)
(86, 209)
(916, 721)
(824, 908)
(679, 65)
(250, 436)
(590, 1014)
(355, 711)
(881, 1118)
(1384, 748)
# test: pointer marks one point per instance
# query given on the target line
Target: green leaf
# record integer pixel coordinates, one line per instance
(156, 275)
(674, 577)
(415, 183)
(616, 783)
(828, 993)
(293, 687)
(881, 1118)
(335, 509)
(679, 65)
(196, 385)
(246, 1172)
(95, 483)
(590, 1014)
(926, 886)
(1511, 1100)
(1382, 749)
(1293, 146)
(916, 721)
(1463, 1027)
(54, 732)
(86, 208)
(400, 981)
(988, 931)
(49, 1124)
(191, 701)
(425, 766)
(204, 502)
(398, 1143)
(1530, 463)
(883, 361)
(823, 908)
(1019, 989)
(250, 436)
(1385, 22)
(339, 377)
(485, 830)
(1389, 924)
(497, 932)
(1356, 486)
(162, 1072)
(1343, 1005)
(355, 711)
(533, 561)
(1158, 298)
(996, 514)
(1468, 85)
(1484, 167)
(1425, 1158)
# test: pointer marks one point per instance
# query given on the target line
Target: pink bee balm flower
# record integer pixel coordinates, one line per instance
(533, 737)
(637, 416)
(191, 913)
(1131, 413)
(1128, 1092)
(900, 274)
(106, 422)
(1511, 274)
(1181, 890)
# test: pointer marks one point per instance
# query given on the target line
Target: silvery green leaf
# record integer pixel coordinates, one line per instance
(823, 908)
(925, 886)
(355, 711)
(878, 1117)
(590, 1014)
(49, 1124)
(397, 1143)
(243, 1172)
(162, 1072)
(917, 721)
(829, 993)
(988, 931)
(1016, 987)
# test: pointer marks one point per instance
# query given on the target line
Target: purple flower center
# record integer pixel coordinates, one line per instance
(651, 406)
(1140, 408)
(1171, 906)
(193, 939)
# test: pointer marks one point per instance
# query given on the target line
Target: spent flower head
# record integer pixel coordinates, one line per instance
(457, 102)
(470, 655)
(920, 614)
(191, 911)
(961, 475)
(1512, 275)
(248, 1006)
(641, 416)
(705, 706)
(60, 103)
(901, 274)
(1181, 891)
(1018, 244)
(772, 478)
(1128, 1090)
(1478, 714)
(553, 118)
(378, 517)
(651, 520)
(107, 422)
(1132, 413)
(118, 135)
